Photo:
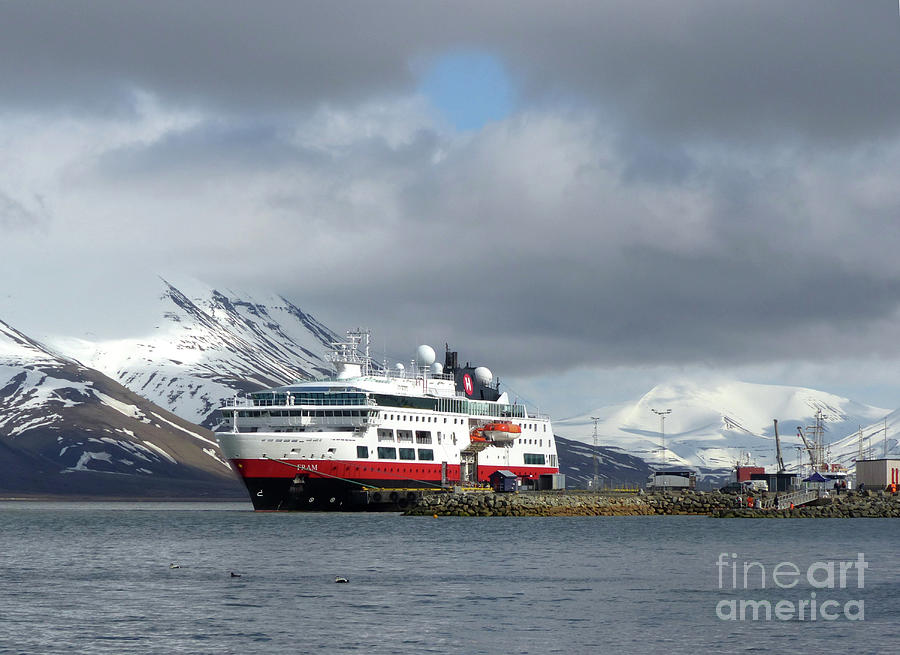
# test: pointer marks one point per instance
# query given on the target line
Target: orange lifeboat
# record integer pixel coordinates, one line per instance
(501, 431)
(476, 435)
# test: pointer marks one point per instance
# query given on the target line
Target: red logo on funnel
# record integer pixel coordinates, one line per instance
(467, 384)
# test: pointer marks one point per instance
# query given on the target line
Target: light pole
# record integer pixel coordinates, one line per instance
(596, 419)
(662, 413)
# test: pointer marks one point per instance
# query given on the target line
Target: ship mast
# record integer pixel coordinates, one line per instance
(814, 441)
(346, 357)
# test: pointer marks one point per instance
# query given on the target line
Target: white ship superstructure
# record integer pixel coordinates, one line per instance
(369, 436)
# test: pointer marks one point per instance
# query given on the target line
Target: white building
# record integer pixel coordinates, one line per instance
(878, 473)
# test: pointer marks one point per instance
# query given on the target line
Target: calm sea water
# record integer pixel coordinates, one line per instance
(95, 578)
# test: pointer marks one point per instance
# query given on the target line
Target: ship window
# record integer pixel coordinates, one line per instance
(387, 453)
(404, 435)
(407, 453)
(385, 434)
(426, 454)
(423, 436)
(445, 419)
(534, 458)
(362, 452)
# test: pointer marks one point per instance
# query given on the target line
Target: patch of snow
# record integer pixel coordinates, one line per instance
(86, 458)
(185, 430)
(131, 411)
(212, 453)
(160, 451)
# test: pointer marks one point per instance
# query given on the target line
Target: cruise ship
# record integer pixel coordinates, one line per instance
(373, 437)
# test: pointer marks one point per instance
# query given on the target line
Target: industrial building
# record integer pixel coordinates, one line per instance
(878, 473)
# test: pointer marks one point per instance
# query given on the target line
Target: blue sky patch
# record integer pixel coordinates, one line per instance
(470, 88)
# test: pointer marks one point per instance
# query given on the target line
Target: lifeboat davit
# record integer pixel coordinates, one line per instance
(501, 431)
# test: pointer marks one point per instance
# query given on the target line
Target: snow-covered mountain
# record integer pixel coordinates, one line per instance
(67, 429)
(713, 426)
(206, 345)
(878, 439)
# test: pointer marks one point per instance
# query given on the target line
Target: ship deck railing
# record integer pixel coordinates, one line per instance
(363, 403)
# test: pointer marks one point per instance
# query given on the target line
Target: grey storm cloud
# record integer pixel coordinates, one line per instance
(733, 70)
(680, 181)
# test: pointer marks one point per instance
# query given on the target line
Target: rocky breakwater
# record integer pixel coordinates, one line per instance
(868, 504)
(570, 504)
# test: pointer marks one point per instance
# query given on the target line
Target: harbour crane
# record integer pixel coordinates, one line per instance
(781, 466)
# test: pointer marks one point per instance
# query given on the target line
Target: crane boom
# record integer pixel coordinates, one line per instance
(778, 457)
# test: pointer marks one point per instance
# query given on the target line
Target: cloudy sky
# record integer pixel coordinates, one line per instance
(591, 197)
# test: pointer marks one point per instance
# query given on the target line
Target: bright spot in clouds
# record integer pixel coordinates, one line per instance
(469, 88)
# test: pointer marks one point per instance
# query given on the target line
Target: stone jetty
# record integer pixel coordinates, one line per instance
(572, 503)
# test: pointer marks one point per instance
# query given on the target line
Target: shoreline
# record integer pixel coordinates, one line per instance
(713, 504)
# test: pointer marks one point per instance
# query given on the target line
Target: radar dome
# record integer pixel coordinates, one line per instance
(437, 368)
(483, 374)
(399, 366)
(425, 355)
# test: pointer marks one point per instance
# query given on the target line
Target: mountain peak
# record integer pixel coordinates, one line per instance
(204, 343)
(713, 424)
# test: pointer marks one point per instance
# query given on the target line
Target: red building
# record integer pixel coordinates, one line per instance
(743, 473)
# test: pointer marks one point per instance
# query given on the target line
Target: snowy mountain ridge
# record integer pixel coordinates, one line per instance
(65, 428)
(713, 425)
(206, 346)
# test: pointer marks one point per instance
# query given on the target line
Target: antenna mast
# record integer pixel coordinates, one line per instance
(662, 413)
(596, 463)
